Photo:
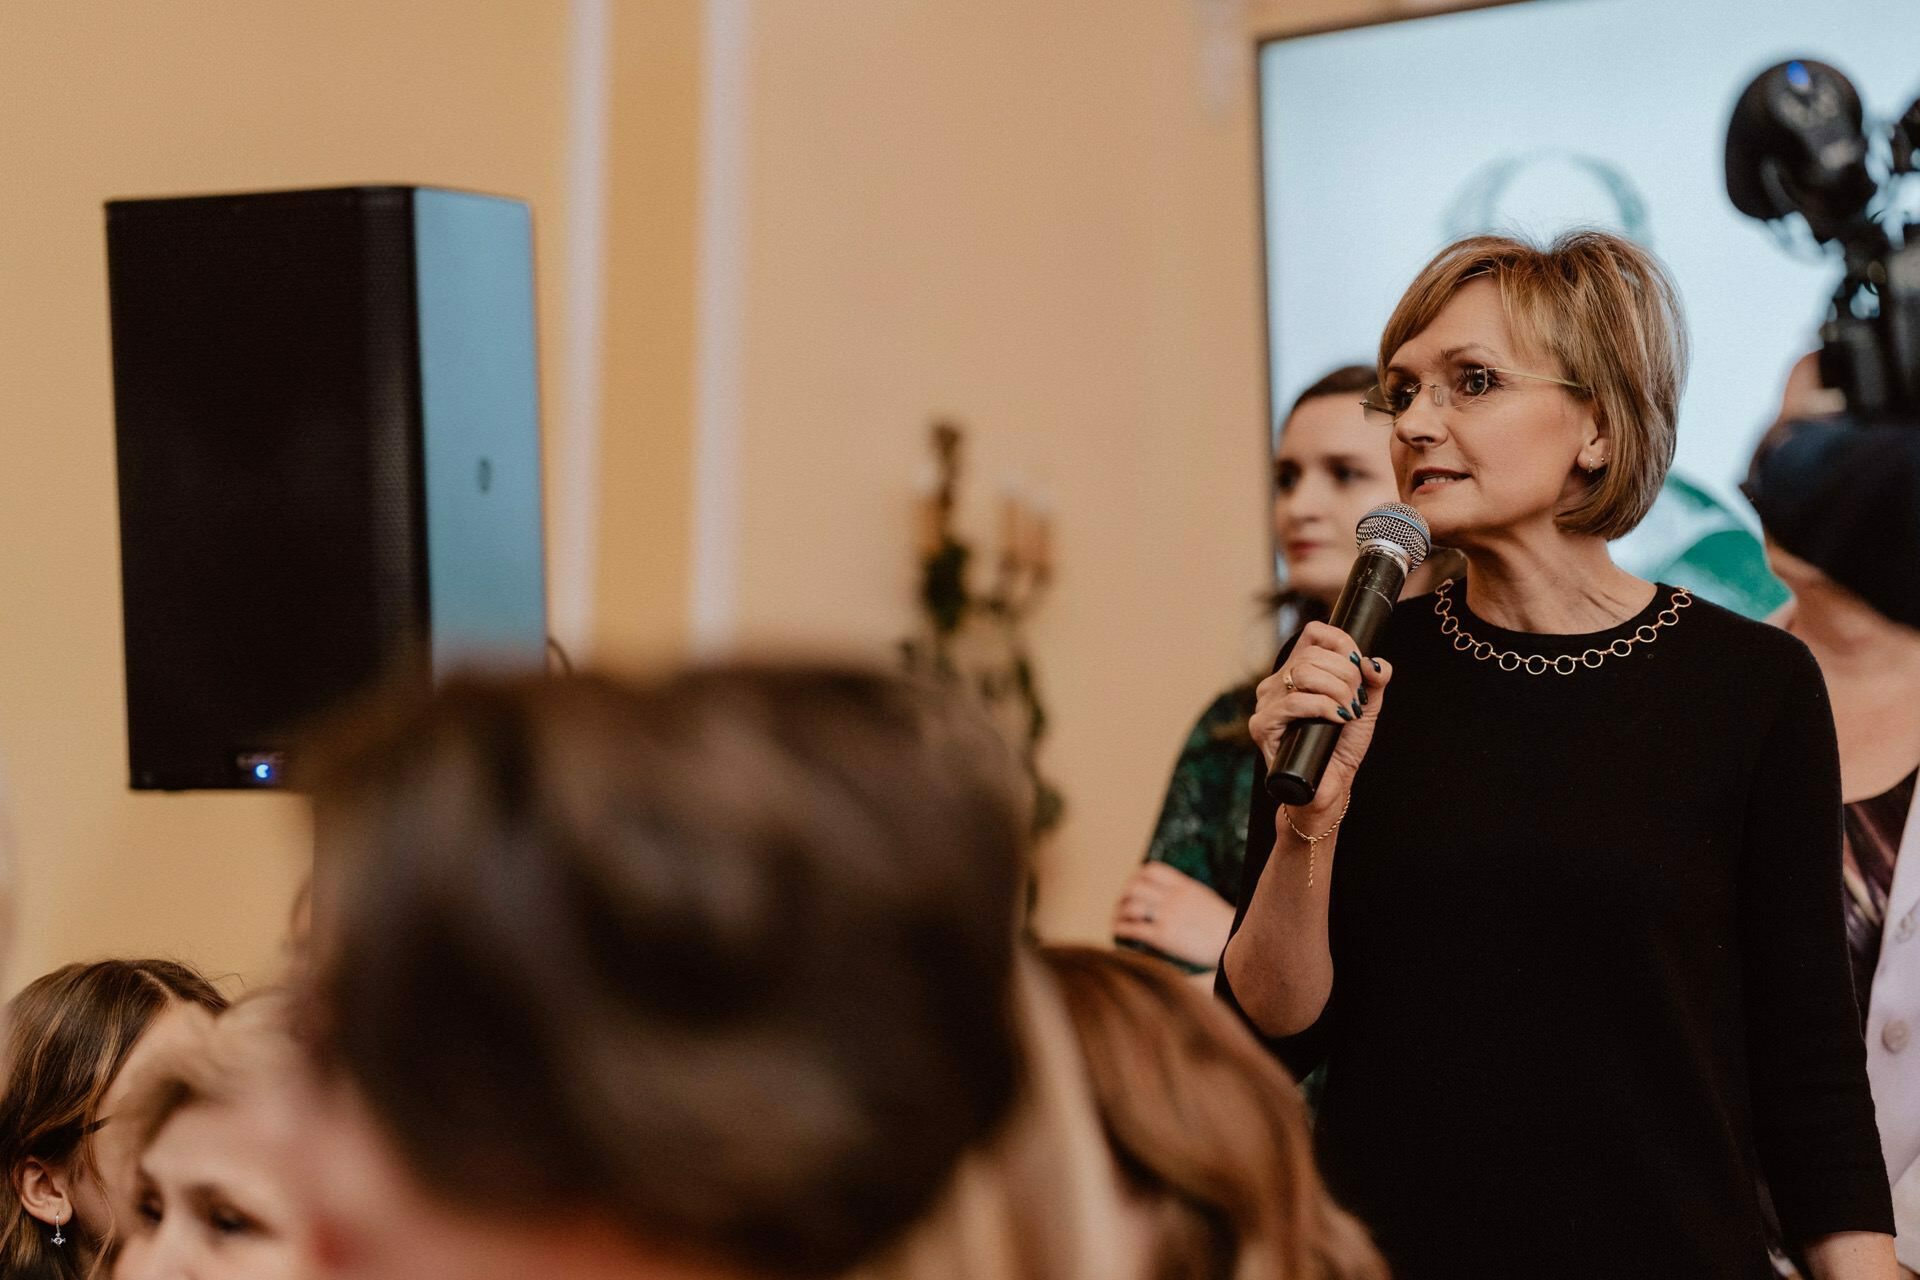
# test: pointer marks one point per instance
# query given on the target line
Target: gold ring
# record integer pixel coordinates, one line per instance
(1286, 678)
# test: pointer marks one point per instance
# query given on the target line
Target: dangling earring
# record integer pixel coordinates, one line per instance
(58, 1239)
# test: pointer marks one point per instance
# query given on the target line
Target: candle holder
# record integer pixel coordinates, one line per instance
(977, 639)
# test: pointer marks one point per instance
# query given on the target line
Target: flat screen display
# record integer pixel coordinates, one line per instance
(1381, 144)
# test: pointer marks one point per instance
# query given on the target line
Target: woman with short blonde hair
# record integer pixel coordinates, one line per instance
(1563, 921)
(1595, 304)
(222, 1137)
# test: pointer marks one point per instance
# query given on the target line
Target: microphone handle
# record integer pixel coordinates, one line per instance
(1365, 604)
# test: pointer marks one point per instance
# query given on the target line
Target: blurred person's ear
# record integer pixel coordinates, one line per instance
(44, 1192)
(1804, 579)
(1806, 395)
(1792, 570)
(369, 1218)
(1834, 601)
(300, 924)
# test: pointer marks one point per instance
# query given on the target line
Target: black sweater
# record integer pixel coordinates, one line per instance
(1590, 972)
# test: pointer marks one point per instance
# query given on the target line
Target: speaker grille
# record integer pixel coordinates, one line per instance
(267, 404)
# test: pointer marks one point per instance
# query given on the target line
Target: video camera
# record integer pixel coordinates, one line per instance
(1797, 143)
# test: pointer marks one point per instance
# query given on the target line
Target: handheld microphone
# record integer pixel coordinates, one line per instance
(1394, 540)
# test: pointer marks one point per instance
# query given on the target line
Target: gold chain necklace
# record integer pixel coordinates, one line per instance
(1508, 660)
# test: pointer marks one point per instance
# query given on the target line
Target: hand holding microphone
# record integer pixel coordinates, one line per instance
(1325, 685)
(1314, 717)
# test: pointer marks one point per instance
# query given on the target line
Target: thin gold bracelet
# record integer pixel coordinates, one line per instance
(1313, 842)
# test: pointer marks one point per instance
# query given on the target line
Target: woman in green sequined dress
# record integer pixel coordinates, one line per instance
(1329, 469)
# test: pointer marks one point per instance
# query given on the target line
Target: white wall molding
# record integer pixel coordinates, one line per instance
(719, 376)
(576, 482)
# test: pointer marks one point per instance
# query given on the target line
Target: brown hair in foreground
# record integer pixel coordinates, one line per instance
(1207, 1127)
(723, 958)
(69, 1033)
(1601, 312)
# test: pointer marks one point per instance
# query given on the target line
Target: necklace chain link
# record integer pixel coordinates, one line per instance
(1538, 664)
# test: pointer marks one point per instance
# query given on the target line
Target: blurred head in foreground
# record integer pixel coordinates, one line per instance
(219, 1122)
(1209, 1130)
(76, 1039)
(705, 976)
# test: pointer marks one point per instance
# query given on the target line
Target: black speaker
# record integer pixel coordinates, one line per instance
(329, 460)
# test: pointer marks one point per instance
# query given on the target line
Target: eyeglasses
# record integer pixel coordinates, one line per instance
(1472, 385)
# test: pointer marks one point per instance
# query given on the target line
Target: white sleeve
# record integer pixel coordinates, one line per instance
(1893, 1016)
(1906, 1218)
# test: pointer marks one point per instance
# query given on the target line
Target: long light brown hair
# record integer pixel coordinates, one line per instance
(69, 1034)
(1044, 1198)
(1210, 1130)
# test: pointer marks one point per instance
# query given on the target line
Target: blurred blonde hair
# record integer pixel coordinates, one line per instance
(1211, 1131)
(1044, 1200)
(1607, 312)
(242, 1053)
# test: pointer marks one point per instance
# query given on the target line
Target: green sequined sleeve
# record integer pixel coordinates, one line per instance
(1202, 830)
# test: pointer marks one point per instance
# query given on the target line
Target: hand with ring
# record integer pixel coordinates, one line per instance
(1176, 915)
(1325, 678)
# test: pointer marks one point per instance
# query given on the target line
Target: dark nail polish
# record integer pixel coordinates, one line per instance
(1343, 713)
(1363, 697)
(1354, 658)
(1356, 709)
(1376, 664)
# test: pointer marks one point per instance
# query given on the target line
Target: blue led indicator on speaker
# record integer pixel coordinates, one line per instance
(1797, 75)
(261, 768)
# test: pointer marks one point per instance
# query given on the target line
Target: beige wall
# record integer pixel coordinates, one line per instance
(644, 537)
(1041, 219)
(107, 99)
(1288, 17)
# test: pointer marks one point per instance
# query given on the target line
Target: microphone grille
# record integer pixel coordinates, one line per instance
(1400, 524)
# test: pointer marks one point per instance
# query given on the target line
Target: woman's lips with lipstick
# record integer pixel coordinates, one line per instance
(1429, 479)
(1299, 548)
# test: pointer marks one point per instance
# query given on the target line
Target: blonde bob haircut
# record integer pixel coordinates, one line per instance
(1607, 312)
